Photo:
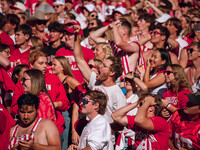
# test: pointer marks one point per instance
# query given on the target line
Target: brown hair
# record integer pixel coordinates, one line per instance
(34, 55)
(98, 97)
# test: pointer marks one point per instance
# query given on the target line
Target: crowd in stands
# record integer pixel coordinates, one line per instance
(99, 74)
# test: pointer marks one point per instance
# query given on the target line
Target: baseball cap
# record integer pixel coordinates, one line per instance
(163, 18)
(194, 98)
(19, 5)
(197, 27)
(120, 10)
(61, 2)
(70, 28)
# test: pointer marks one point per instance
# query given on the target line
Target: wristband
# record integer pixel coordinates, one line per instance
(168, 105)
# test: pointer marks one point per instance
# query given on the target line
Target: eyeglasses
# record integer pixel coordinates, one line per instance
(92, 66)
(168, 72)
(190, 50)
(128, 80)
(86, 100)
(24, 79)
(39, 22)
(195, 21)
(6, 51)
(56, 6)
(155, 33)
(92, 23)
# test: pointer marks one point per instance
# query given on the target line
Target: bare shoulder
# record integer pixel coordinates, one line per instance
(135, 45)
(187, 69)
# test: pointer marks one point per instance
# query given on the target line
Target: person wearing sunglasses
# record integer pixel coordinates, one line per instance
(159, 37)
(59, 6)
(178, 85)
(193, 71)
(97, 133)
(151, 130)
(185, 125)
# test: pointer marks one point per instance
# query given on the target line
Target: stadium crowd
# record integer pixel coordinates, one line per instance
(99, 74)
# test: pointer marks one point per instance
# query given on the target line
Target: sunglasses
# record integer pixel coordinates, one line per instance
(154, 33)
(8, 52)
(91, 24)
(86, 100)
(168, 72)
(92, 66)
(140, 104)
(24, 79)
(195, 21)
(128, 80)
(190, 50)
(56, 6)
(41, 22)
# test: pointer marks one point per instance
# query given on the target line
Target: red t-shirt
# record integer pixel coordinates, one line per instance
(148, 140)
(6, 122)
(183, 132)
(69, 54)
(5, 39)
(178, 101)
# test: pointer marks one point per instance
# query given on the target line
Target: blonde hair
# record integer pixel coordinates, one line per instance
(36, 43)
(107, 50)
(65, 64)
(188, 28)
(180, 80)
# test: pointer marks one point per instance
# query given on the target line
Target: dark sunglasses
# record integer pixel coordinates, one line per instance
(128, 80)
(56, 6)
(154, 33)
(195, 21)
(190, 50)
(92, 66)
(86, 100)
(24, 79)
(39, 22)
(168, 72)
(140, 104)
(91, 24)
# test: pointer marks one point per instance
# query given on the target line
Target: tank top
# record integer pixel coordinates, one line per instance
(14, 140)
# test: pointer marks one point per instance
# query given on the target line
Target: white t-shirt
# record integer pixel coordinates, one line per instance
(182, 44)
(132, 99)
(97, 135)
(115, 96)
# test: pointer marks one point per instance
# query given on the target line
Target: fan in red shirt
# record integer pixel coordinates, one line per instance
(151, 131)
(185, 125)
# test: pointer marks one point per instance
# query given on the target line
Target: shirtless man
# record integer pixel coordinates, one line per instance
(122, 47)
(33, 132)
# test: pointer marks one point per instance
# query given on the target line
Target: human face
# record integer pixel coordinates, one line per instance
(172, 29)
(55, 36)
(68, 6)
(87, 105)
(8, 27)
(40, 64)
(6, 53)
(69, 40)
(26, 82)
(92, 24)
(99, 53)
(5, 7)
(156, 60)
(27, 114)
(40, 25)
(193, 53)
(178, 14)
(56, 67)
(169, 75)
(20, 38)
(156, 36)
(67, 19)
(129, 84)
(143, 24)
(184, 10)
(93, 15)
(21, 73)
(184, 22)
(104, 70)
(59, 8)
(194, 21)
(117, 16)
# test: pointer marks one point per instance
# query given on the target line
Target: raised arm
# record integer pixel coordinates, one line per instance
(183, 58)
(80, 61)
(96, 36)
(149, 4)
(119, 115)
(125, 46)
(141, 118)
